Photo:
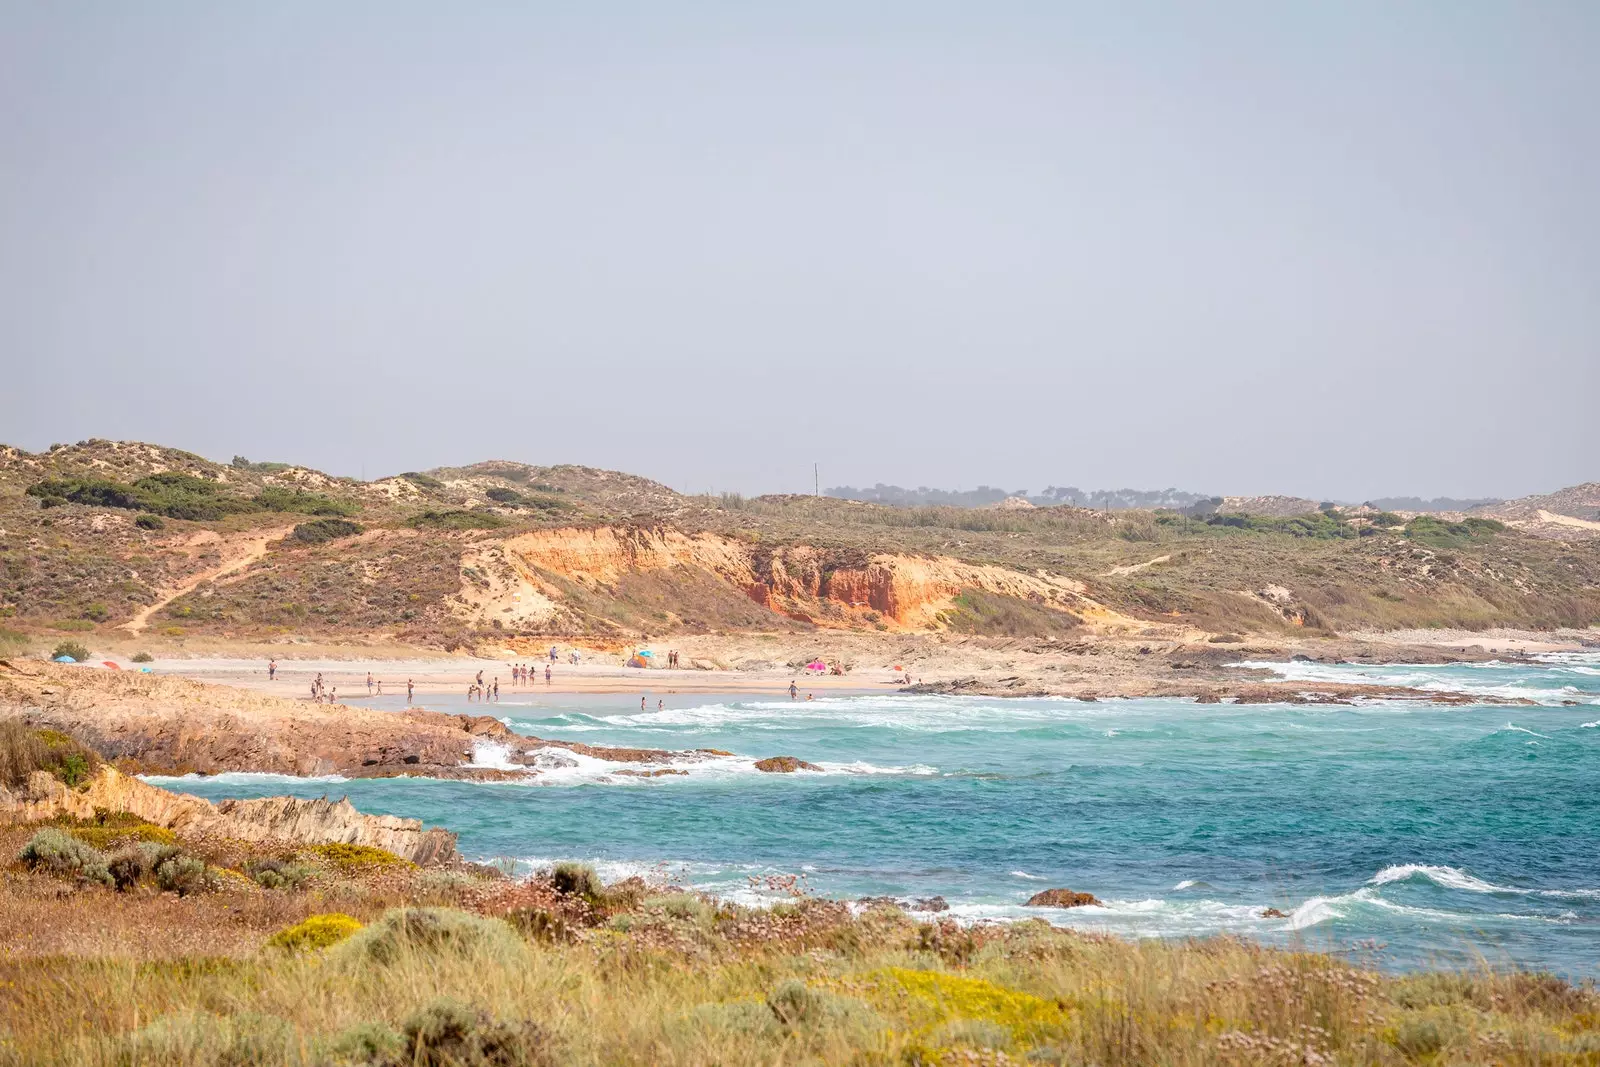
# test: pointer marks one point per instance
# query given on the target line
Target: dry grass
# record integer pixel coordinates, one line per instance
(520, 973)
(24, 750)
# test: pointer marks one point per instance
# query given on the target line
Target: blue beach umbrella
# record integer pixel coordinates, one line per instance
(65, 659)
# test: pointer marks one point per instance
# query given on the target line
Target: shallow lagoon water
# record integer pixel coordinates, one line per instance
(1414, 834)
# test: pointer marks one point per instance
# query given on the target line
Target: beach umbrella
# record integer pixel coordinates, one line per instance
(108, 663)
(65, 659)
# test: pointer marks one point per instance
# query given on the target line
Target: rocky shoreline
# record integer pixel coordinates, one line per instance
(163, 725)
(167, 725)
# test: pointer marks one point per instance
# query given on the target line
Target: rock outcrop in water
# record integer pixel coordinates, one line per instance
(311, 822)
(784, 765)
(1061, 898)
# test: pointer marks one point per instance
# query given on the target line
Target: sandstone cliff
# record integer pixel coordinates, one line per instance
(529, 581)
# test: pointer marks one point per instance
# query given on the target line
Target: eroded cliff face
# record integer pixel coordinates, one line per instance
(519, 581)
(905, 592)
(311, 822)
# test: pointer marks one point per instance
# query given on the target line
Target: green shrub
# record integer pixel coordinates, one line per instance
(576, 880)
(404, 932)
(316, 932)
(180, 874)
(456, 520)
(449, 1034)
(77, 650)
(59, 853)
(1319, 526)
(136, 861)
(97, 612)
(276, 874)
(143, 657)
(423, 480)
(369, 1045)
(326, 530)
(798, 1007)
(300, 502)
(73, 625)
(150, 522)
(170, 493)
(1436, 533)
(240, 463)
(502, 494)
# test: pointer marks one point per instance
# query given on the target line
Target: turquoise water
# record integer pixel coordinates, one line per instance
(1423, 835)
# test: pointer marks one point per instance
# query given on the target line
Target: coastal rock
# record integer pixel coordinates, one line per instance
(931, 904)
(784, 765)
(312, 822)
(1061, 898)
(1273, 913)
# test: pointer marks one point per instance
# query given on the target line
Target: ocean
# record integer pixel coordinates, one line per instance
(1407, 834)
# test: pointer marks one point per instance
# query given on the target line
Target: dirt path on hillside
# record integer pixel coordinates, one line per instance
(237, 554)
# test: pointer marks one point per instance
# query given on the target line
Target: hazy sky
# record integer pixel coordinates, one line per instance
(1336, 249)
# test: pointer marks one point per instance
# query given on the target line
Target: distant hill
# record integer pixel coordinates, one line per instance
(1437, 504)
(988, 496)
(106, 542)
(1566, 514)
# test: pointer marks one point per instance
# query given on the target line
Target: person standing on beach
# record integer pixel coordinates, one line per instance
(547, 674)
(497, 690)
(408, 690)
(480, 677)
(272, 670)
(369, 683)
(794, 690)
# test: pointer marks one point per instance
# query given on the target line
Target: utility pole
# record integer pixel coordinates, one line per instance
(816, 481)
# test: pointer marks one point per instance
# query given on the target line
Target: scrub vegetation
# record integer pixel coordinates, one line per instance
(386, 963)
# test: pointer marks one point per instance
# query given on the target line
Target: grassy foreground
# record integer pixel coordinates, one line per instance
(349, 956)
